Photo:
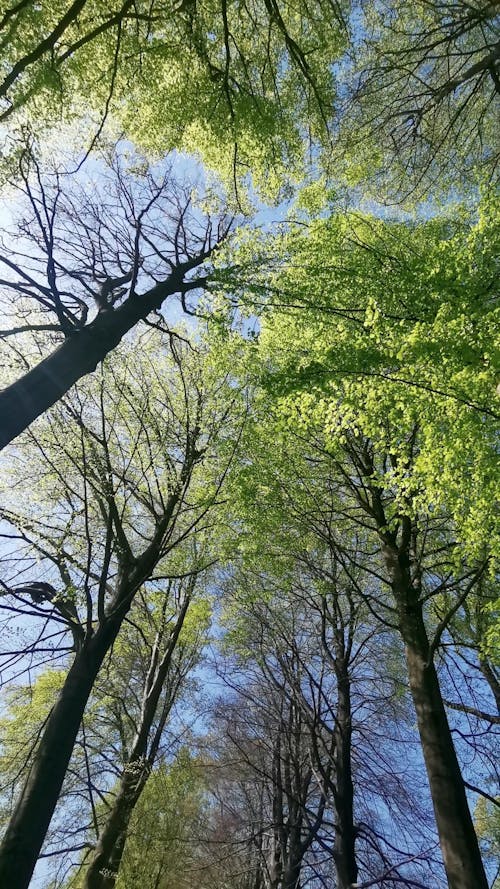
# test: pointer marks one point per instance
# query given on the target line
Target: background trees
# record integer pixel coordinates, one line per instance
(173, 654)
(315, 622)
(375, 443)
(423, 109)
(125, 507)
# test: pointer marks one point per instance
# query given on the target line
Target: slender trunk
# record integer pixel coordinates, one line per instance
(492, 681)
(291, 874)
(273, 878)
(459, 846)
(294, 847)
(274, 868)
(105, 864)
(345, 834)
(103, 869)
(294, 852)
(77, 356)
(257, 881)
(30, 822)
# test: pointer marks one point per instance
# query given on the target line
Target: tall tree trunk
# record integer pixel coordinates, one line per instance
(105, 864)
(294, 847)
(30, 822)
(80, 354)
(275, 863)
(457, 837)
(345, 834)
(291, 874)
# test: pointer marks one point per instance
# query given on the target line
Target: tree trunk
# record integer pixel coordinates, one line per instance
(291, 874)
(492, 681)
(345, 834)
(106, 859)
(457, 837)
(105, 864)
(30, 821)
(77, 356)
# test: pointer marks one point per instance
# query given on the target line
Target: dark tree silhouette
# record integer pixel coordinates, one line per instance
(87, 264)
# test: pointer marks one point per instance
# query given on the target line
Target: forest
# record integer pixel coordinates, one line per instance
(249, 535)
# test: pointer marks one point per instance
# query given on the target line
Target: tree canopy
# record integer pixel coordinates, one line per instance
(249, 419)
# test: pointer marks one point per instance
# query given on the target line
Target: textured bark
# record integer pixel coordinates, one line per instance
(79, 354)
(31, 819)
(295, 850)
(30, 822)
(457, 837)
(289, 796)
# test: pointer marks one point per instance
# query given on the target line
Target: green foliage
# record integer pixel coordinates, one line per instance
(259, 89)
(423, 114)
(168, 816)
(161, 841)
(487, 819)
(390, 330)
(240, 84)
(357, 331)
(25, 710)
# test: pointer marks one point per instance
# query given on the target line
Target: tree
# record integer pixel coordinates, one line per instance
(153, 657)
(312, 623)
(242, 83)
(353, 375)
(421, 113)
(360, 405)
(125, 494)
(172, 656)
(168, 822)
(166, 826)
(395, 326)
(251, 87)
(97, 267)
(277, 819)
(399, 557)
(487, 820)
